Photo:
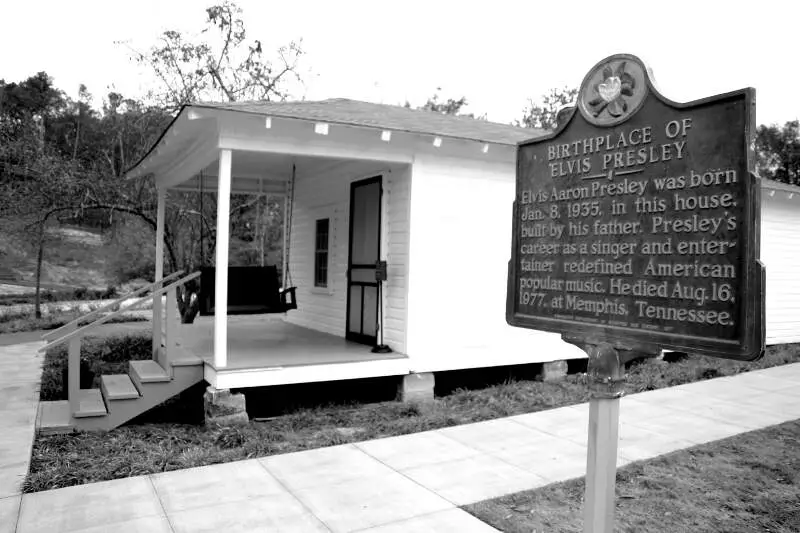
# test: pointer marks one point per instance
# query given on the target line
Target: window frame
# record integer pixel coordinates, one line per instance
(319, 251)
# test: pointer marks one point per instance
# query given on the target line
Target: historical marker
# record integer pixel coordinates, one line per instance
(636, 228)
(637, 220)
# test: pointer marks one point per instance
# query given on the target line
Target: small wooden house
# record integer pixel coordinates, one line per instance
(429, 194)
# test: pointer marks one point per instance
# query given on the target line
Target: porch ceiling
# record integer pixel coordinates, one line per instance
(268, 172)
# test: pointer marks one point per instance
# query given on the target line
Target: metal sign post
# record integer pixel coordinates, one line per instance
(606, 375)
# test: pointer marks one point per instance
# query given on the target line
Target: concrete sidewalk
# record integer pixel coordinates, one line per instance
(20, 374)
(414, 482)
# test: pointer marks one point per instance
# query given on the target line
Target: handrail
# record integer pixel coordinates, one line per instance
(82, 331)
(54, 333)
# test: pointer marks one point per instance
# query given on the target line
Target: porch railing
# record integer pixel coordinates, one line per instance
(164, 334)
(111, 307)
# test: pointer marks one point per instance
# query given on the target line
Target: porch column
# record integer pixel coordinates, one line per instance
(162, 200)
(221, 274)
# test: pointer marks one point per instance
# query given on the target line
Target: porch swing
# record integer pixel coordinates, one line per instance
(251, 289)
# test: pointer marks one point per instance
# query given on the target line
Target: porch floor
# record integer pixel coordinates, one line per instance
(268, 341)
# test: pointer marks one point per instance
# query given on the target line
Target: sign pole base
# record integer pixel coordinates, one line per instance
(606, 381)
(601, 465)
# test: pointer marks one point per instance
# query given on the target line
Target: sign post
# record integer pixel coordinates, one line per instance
(636, 229)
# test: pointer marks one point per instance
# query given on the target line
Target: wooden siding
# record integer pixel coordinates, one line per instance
(394, 249)
(327, 195)
(460, 248)
(780, 253)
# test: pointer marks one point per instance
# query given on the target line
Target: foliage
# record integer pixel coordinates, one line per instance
(132, 247)
(109, 355)
(778, 152)
(66, 159)
(313, 421)
(445, 107)
(220, 64)
(544, 114)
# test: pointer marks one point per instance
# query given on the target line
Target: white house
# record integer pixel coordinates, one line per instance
(429, 194)
(780, 253)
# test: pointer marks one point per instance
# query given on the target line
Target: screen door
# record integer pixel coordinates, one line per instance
(365, 245)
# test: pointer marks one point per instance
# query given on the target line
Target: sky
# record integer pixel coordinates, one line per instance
(497, 54)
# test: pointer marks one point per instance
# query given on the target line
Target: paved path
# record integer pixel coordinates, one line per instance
(414, 482)
(20, 373)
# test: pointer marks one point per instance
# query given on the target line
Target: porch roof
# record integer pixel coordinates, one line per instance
(387, 117)
(190, 142)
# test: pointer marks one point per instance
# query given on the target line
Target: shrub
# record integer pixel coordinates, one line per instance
(81, 293)
(109, 293)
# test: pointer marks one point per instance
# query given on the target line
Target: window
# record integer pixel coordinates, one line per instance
(321, 252)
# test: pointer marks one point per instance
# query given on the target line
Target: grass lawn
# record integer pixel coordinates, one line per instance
(156, 442)
(749, 482)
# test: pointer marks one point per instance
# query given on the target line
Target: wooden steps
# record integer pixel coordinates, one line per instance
(90, 403)
(147, 372)
(118, 387)
(53, 418)
(122, 397)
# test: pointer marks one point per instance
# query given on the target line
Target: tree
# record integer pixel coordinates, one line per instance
(220, 64)
(60, 157)
(448, 107)
(544, 115)
(27, 109)
(445, 107)
(778, 152)
(49, 165)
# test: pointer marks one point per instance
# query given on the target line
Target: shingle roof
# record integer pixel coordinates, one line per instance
(390, 117)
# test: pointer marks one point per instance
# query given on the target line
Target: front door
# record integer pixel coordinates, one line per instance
(365, 246)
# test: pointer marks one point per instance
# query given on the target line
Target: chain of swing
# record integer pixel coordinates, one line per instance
(287, 238)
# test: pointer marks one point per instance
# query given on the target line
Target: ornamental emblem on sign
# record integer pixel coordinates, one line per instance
(612, 91)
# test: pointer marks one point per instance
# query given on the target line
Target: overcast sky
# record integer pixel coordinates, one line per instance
(496, 53)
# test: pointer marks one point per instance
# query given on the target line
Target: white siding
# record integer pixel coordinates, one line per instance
(780, 253)
(327, 195)
(394, 246)
(460, 248)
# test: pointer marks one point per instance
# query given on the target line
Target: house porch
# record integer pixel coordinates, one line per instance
(265, 350)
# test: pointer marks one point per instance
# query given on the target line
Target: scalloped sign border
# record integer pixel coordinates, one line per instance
(637, 221)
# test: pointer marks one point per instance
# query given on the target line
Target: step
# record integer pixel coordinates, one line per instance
(90, 403)
(148, 371)
(54, 418)
(118, 387)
